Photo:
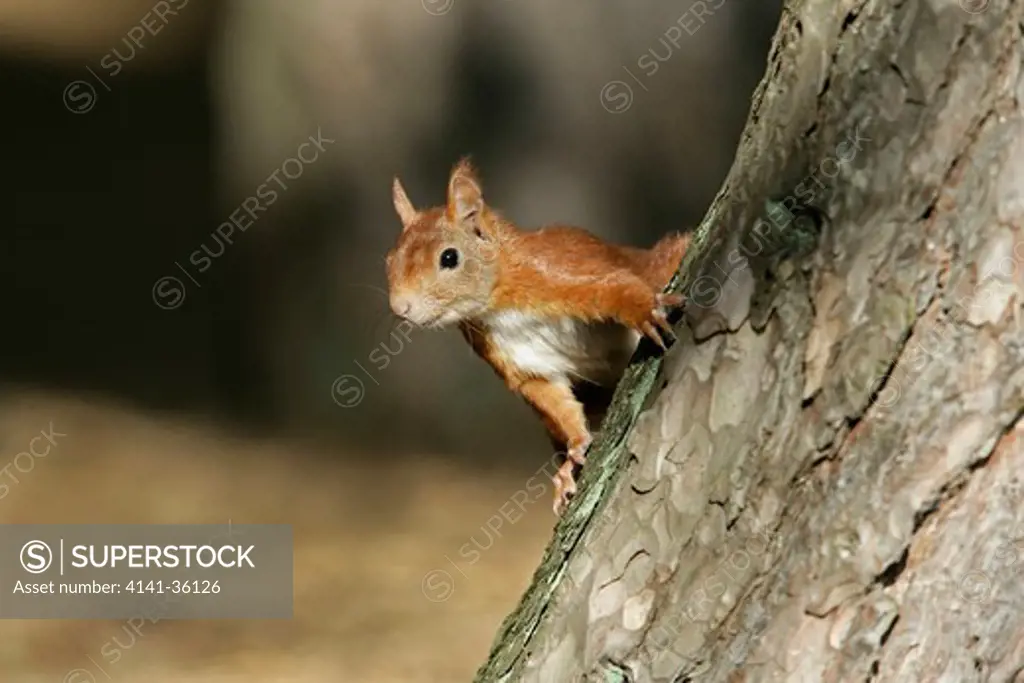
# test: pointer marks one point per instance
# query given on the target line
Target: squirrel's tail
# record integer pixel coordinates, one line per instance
(663, 258)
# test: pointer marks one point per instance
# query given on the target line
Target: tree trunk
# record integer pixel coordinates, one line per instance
(822, 480)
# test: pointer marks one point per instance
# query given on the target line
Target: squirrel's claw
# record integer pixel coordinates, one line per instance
(578, 452)
(565, 482)
(650, 330)
(658, 326)
(565, 487)
(669, 300)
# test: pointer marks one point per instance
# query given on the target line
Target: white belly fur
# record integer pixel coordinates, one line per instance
(563, 349)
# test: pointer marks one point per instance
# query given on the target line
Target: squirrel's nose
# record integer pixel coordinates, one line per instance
(401, 305)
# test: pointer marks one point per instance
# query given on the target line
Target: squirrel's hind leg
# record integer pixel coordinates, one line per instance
(567, 424)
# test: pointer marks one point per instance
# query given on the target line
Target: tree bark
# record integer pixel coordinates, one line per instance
(822, 480)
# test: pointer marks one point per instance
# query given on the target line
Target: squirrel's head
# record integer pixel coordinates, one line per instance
(444, 266)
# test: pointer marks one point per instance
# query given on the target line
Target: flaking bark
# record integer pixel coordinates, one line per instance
(822, 480)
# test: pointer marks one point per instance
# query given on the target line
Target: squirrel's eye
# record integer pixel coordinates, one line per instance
(449, 258)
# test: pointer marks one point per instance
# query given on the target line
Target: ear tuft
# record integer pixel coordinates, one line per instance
(465, 198)
(406, 212)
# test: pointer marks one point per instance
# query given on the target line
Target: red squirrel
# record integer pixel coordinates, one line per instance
(556, 312)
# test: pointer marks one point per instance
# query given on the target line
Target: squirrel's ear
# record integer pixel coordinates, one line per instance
(465, 198)
(406, 212)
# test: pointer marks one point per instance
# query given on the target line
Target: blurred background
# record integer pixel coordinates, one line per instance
(197, 208)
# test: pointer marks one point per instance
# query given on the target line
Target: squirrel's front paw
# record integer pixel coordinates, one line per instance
(668, 301)
(657, 324)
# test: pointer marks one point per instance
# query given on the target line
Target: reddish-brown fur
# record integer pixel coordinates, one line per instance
(540, 277)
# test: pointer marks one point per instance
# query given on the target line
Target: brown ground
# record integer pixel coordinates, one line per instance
(364, 539)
